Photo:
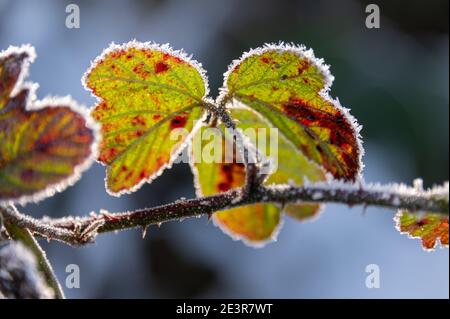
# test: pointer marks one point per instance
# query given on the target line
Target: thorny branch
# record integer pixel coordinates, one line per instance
(79, 231)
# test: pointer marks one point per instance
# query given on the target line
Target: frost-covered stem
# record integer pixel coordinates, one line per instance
(383, 196)
(349, 194)
(160, 214)
(79, 231)
(12, 216)
(25, 237)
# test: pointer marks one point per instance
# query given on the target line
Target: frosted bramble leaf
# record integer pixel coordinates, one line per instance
(13, 68)
(254, 224)
(289, 87)
(289, 164)
(45, 145)
(429, 228)
(145, 92)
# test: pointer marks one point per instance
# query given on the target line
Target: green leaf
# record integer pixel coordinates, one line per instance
(255, 224)
(288, 86)
(428, 227)
(145, 92)
(46, 144)
(289, 165)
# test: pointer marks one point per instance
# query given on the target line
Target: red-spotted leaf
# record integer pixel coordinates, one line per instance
(44, 145)
(145, 92)
(429, 228)
(289, 87)
(217, 168)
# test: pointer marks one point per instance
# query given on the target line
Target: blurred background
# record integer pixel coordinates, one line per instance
(395, 80)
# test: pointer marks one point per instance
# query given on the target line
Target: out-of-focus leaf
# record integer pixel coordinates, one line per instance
(145, 92)
(255, 224)
(19, 274)
(44, 145)
(288, 86)
(429, 228)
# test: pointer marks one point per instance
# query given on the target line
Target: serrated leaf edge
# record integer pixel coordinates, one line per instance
(165, 48)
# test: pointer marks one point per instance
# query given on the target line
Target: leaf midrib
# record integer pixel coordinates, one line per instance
(274, 109)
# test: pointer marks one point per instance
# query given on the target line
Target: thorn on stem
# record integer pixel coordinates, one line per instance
(144, 231)
(89, 233)
(360, 185)
(108, 216)
(364, 210)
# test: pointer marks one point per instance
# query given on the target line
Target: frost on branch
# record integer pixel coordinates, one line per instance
(45, 145)
(19, 277)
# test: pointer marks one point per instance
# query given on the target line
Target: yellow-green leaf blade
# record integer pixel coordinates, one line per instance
(288, 86)
(146, 92)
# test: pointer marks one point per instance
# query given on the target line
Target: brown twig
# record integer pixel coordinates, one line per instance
(79, 231)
